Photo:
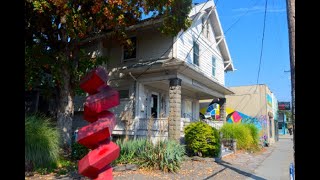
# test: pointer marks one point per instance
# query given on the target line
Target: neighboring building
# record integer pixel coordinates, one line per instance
(282, 124)
(162, 80)
(275, 116)
(258, 102)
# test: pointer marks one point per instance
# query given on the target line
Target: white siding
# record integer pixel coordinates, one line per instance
(142, 103)
(126, 105)
(151, 45)
(207, 50)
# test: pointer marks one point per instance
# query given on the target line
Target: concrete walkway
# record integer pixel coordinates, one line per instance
(276, 166)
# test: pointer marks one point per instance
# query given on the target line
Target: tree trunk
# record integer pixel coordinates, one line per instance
(65, 109)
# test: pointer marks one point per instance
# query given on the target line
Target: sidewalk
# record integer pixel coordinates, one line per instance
(276, 166)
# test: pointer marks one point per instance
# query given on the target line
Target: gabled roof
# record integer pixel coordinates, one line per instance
(206, 6)
(217, 28)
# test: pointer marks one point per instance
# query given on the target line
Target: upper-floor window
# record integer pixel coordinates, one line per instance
(205, 27)
(213, 66)
(130, 50)
(195, 53)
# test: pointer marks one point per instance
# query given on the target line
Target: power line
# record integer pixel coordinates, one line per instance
(209, 47)
(264, 26)
(240, 17)
(150, 65)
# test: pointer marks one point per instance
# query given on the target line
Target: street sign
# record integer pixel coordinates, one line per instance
(284, 105)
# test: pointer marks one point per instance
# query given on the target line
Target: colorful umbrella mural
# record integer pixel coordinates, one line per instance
(212, 111)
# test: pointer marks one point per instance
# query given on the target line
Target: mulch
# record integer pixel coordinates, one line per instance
(190, 169)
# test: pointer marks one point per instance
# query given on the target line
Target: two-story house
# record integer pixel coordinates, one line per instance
(163, 78)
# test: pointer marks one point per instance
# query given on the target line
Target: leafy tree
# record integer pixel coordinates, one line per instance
(58, 30)
(286, 112)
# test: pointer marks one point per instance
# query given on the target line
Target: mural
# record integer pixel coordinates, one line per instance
(212, 111)
(238, 117)
(269, 100)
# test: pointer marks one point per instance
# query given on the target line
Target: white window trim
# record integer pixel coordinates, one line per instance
(193, 62)
(215, 66)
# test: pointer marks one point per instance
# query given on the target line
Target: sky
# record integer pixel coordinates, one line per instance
(244, 40)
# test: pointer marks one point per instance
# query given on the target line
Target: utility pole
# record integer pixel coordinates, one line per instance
(291, 27)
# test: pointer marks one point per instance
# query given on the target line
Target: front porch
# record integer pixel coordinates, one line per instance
(165, 99)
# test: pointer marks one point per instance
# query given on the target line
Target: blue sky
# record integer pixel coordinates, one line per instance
(244, 42)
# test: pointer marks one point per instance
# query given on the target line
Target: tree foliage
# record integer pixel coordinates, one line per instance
(59, 31)
(55, 29)
(288, 113)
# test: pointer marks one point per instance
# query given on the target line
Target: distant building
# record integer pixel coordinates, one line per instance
(282, 123)
(259, 104)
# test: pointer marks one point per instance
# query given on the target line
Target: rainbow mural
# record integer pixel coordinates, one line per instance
(238, 117)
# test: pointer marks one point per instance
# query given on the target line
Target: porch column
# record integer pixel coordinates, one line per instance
(175, 109)
(223, 112)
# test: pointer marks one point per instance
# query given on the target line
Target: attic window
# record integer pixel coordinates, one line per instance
(205, 26)
(130, 51)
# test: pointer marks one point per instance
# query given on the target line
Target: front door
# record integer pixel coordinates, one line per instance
(155, 105)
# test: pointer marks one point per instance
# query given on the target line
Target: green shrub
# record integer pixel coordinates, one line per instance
(216, 134)
(78, 151)
(245, 134)
(164, 155)
(202, 139)
(41, 142)
(254, 131)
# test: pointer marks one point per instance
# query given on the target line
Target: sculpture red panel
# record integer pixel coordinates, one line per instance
(105, 174)
(97, 159)
(94, 80)
(96, 136)
(105, 99)
(92, 134)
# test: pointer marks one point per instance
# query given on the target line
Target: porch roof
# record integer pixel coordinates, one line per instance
(172, 68)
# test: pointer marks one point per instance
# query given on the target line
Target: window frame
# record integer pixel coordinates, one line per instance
(205, 27)
(124, 49)
(196, 54)
(124, 98)
(213, 66)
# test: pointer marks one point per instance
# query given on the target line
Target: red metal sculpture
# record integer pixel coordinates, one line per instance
(96, 136)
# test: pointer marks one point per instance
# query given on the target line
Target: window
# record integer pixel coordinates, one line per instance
(195, 53)
(124, 94)
(213, 66)
(187, 109)
(205, 27)
(129, 51)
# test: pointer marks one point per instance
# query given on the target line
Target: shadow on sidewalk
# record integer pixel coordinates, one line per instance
(243, 172)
